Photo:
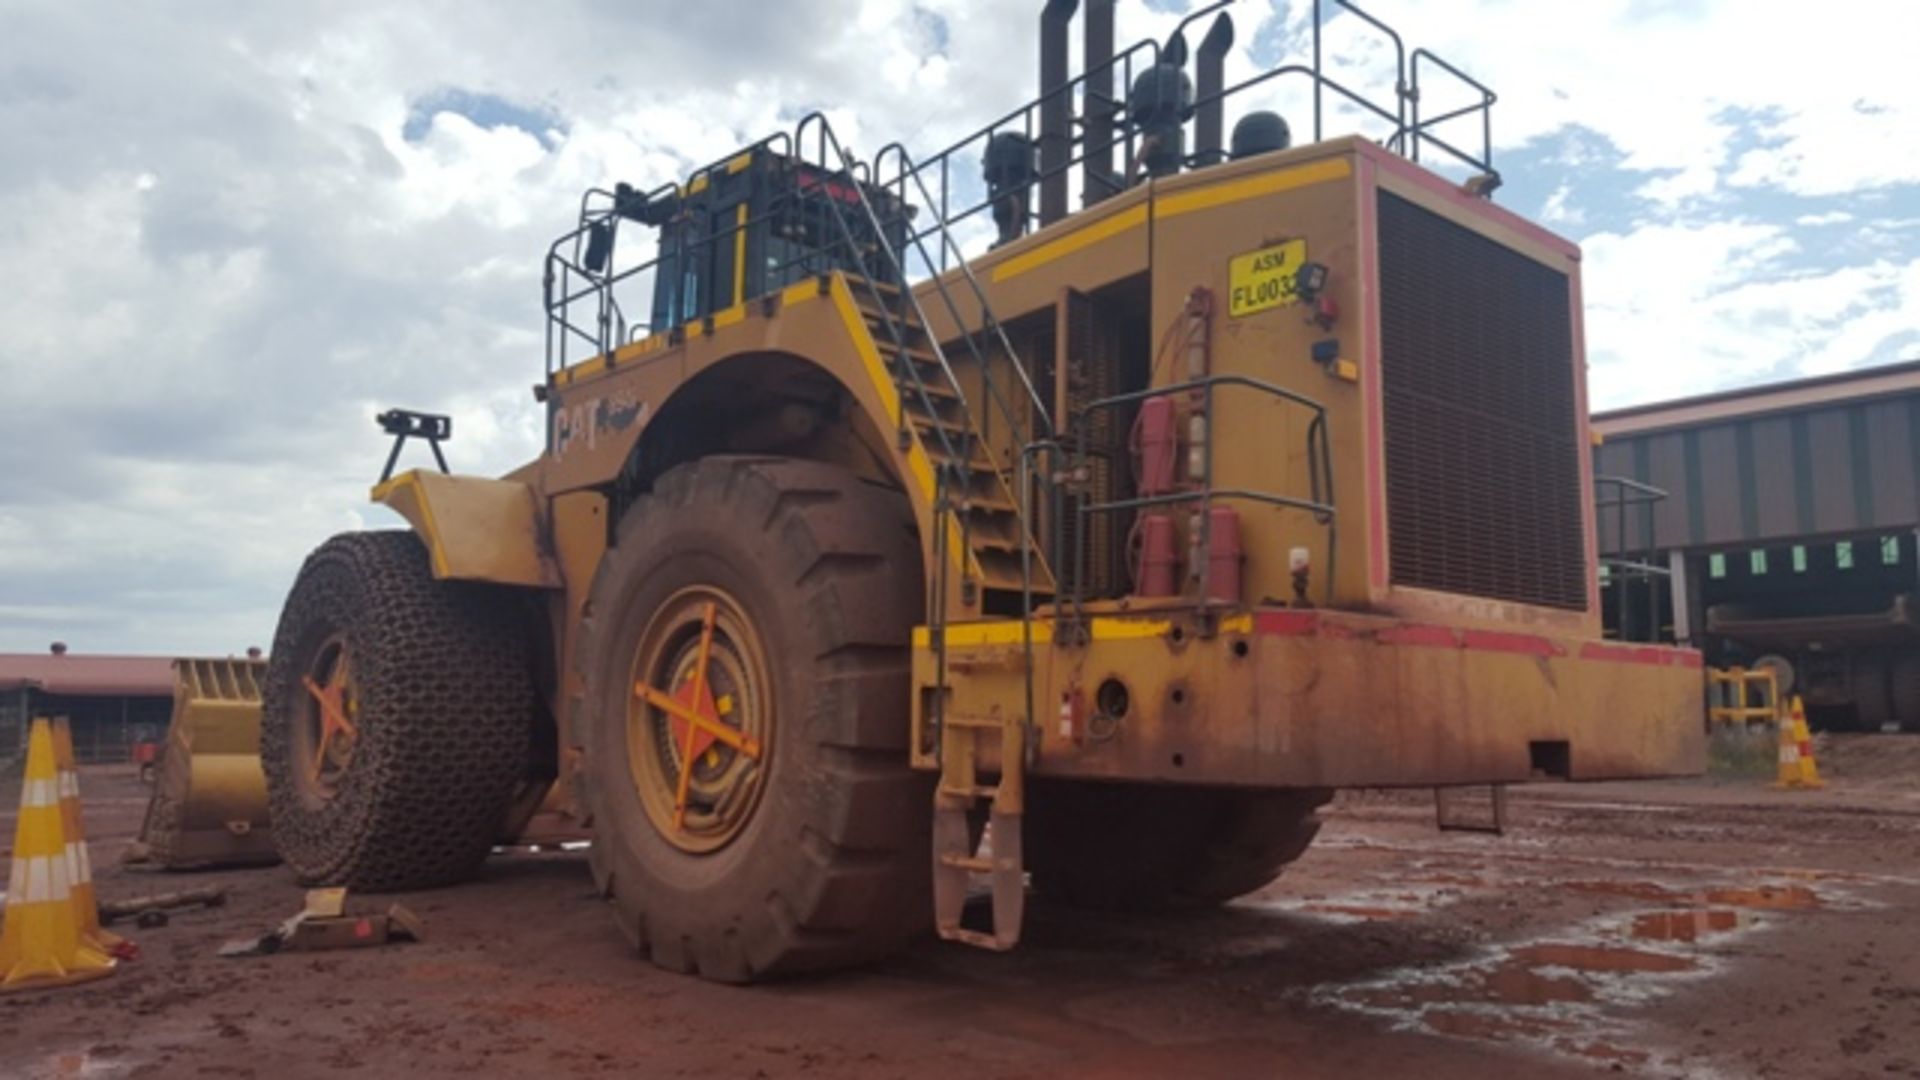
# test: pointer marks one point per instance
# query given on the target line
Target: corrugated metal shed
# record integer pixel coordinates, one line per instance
(1836, 455)
(87, 676)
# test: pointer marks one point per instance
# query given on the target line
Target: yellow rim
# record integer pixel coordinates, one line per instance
(699, 719)
(330, 727)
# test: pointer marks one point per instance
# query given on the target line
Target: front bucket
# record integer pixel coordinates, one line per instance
(209, 805)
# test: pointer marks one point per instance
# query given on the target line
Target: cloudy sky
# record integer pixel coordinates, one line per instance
(230, 232)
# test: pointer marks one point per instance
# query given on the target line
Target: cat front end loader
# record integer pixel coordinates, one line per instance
(1068, 514)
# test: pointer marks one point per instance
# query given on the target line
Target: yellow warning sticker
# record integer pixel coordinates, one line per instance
(1263, 279)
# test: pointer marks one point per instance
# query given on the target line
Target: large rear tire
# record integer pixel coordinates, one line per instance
(397, 717)
(1133, 847)
(1906, 689)
(1872, 689)
(797, 586)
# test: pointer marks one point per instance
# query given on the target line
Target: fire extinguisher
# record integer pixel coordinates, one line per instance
(1150, 548)
(1154, 446)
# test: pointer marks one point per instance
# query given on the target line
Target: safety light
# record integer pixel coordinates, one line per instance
(1310, 280)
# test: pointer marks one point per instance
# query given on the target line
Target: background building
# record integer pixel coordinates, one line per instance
(1787, 531)
(111, 701)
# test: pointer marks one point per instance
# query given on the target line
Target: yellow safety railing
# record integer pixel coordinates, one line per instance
(1732, 691)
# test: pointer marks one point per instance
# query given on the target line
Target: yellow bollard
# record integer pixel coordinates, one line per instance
(79, 865)
(42, 944)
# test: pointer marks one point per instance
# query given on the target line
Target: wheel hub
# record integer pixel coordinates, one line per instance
(699, 719)
(332, 731)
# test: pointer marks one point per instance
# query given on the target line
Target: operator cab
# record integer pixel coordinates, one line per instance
(740, 229)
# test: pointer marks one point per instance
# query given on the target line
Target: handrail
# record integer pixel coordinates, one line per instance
(1041, 412)
(1319, 501)
(885, 311)
(1421, 130)
(1024, 120)
(1400, 69)
(1631, 563)
(944, 511)
(934, 180)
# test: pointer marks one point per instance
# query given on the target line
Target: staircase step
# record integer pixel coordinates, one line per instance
(919, 354)
(975, 791)
(1000, 569)
(993, 525)
(976, 464)
(975, 938)
(951, 425)
(944, 396)
(860, 285)
(876, 318)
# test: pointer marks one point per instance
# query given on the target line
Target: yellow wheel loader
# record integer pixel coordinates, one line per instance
(1064, 514)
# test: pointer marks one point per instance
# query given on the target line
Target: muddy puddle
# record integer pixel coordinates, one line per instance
(1694, 925)
(1571, 990)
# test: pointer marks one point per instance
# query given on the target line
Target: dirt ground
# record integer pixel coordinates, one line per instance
(1707, 928)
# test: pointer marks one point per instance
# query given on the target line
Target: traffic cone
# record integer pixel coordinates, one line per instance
(1797, 767)
(41, 944)
(79, 866)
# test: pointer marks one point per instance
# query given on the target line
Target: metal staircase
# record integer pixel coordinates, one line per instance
(943, 425)
(982, 759)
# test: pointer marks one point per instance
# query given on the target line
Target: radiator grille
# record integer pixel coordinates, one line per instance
(1483, 470)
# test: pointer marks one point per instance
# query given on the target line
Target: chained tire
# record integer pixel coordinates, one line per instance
(1133, 847)
(397, 718)
(804, 843)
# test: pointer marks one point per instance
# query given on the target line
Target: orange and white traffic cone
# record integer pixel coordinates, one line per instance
(1797, 767)
(79, 866)
(41, 944)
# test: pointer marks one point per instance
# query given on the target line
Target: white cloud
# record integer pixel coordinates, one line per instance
(1658, 81)
(219, 254)
(1558, 213)
(1676, 310)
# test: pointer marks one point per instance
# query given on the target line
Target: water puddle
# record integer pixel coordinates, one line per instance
(1571, 991)
(1761, 897)
(1601, 959)
(1358, 911)
(1692, 925)
(1399, 901)
(1766, 898)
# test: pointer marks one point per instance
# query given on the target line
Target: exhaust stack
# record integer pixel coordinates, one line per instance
(1209, 124)
(1097, 176)
(1056, 109)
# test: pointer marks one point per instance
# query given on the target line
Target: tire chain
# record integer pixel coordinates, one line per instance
(442, 678)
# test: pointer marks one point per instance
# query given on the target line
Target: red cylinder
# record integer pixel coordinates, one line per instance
(1224, 555)
(1157, 568)
(1156, 447)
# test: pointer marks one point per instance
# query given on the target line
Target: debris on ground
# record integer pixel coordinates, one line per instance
(150, 910)
(324, 924)
(1683, 929)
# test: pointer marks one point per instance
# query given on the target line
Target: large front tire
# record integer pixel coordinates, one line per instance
(801, 841)
(397, 717)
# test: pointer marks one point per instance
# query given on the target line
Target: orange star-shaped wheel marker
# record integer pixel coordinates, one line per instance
(694, 716)
(332, 699)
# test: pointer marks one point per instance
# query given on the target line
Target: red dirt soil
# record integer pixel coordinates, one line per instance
(1710, 928)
